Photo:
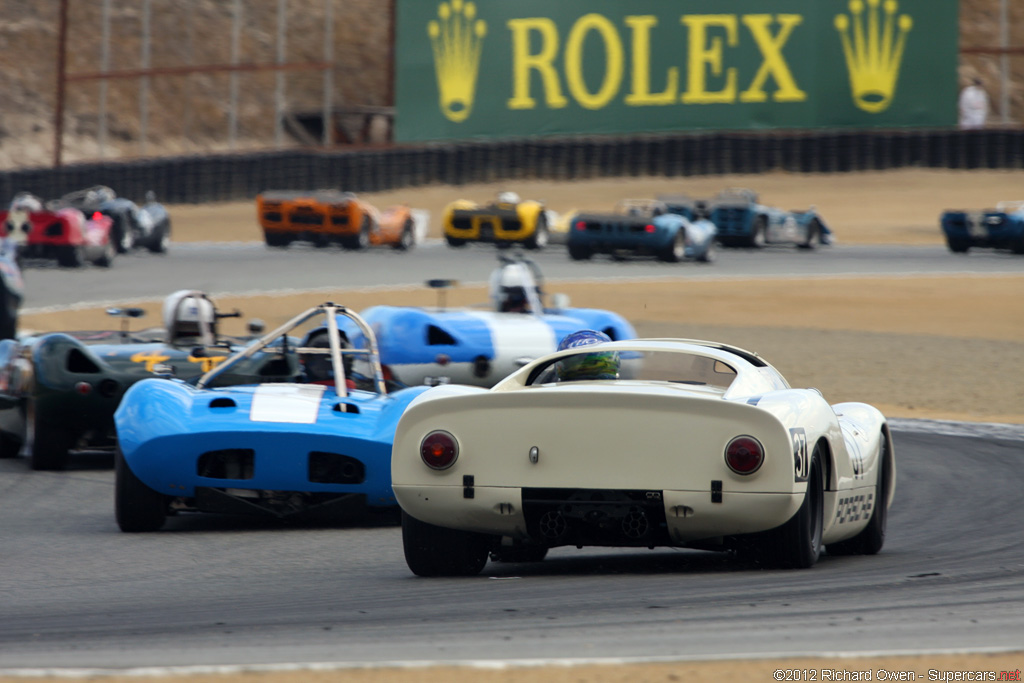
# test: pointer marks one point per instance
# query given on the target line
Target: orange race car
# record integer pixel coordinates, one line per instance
(328, 216)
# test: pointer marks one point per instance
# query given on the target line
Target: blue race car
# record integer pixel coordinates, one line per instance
(316, 445)
(641, 227)
(480, 346)
(744, 222)
(999, 228)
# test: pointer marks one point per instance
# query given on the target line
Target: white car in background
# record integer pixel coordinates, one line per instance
(704, 446)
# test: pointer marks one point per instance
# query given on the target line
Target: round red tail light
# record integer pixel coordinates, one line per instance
(439, 450)
(580, 225)
(744, 455)
(649, 228)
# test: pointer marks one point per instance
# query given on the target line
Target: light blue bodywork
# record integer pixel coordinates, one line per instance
(164, 427)
(479, 347)
(319, 442)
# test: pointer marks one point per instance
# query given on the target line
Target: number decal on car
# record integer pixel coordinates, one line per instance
(801, 461)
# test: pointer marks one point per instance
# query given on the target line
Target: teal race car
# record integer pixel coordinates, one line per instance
(58, 391)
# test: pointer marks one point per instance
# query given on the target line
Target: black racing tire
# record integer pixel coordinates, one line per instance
(106, 257)
(407, 240)
(274, 239)
(10, 445)
(8, 313)
(69, 256)
(160, 241)
(519, 553)
(676, 250)
(813, 234)
(454, 241)
(958, 246)
(137, 507)
(121, 235)
(579, 253)
(758, 234)
(797, 543)
(709, 254)
(361, 240)
(436, 551)
(871, 539)
(541, 235)
(51, 443)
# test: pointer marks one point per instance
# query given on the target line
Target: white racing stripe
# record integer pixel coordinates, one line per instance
(516, 336)
(288, 403)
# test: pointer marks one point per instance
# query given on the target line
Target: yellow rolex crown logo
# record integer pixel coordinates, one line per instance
(456, 37)
(874, 51)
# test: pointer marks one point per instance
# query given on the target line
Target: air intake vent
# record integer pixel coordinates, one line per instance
(438, 337)
(230, 463)
(334, 468)
(80, 363)
(223, 403)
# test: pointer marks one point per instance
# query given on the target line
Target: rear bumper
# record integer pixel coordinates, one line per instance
(640, 518)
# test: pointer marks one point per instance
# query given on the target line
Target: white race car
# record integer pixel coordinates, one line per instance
(703, 446)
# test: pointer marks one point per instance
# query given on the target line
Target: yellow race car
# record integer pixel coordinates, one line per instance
(505, 221)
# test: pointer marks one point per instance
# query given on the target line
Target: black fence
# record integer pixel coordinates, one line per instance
(243, 176)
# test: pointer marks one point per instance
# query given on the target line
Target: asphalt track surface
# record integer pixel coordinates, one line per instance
(220, 268)
(76, 592)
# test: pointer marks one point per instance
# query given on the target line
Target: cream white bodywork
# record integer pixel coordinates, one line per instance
(665, 440)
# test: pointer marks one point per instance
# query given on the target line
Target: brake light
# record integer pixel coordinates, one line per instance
(439, 450)
(649, 227)
(97, 215)
(744, 455)
(83, 388)
(581, 225)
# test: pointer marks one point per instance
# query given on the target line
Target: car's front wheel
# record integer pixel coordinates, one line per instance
(137, 507)
(759, 233)
(436, 551)
(407, 239)
(676, 250)
(813, 234)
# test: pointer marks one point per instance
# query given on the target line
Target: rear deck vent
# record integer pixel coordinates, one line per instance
(229, 463)
(346, 408)
(223, 403)
(335, 468)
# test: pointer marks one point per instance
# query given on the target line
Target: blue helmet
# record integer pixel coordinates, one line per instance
(595, 365)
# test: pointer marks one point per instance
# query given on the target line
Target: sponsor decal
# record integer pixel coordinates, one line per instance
(457, 37)
(873, 47)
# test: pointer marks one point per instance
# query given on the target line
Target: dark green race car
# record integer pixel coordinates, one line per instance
(58, 391)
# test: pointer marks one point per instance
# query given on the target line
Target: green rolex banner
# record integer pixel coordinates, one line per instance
(496, 68)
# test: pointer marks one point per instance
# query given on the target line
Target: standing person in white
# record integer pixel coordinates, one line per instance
(973, 105)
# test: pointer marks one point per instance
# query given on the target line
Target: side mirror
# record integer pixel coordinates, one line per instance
(198, 352)
(256, 327)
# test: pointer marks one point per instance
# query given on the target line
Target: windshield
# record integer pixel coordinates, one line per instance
(655, 366)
